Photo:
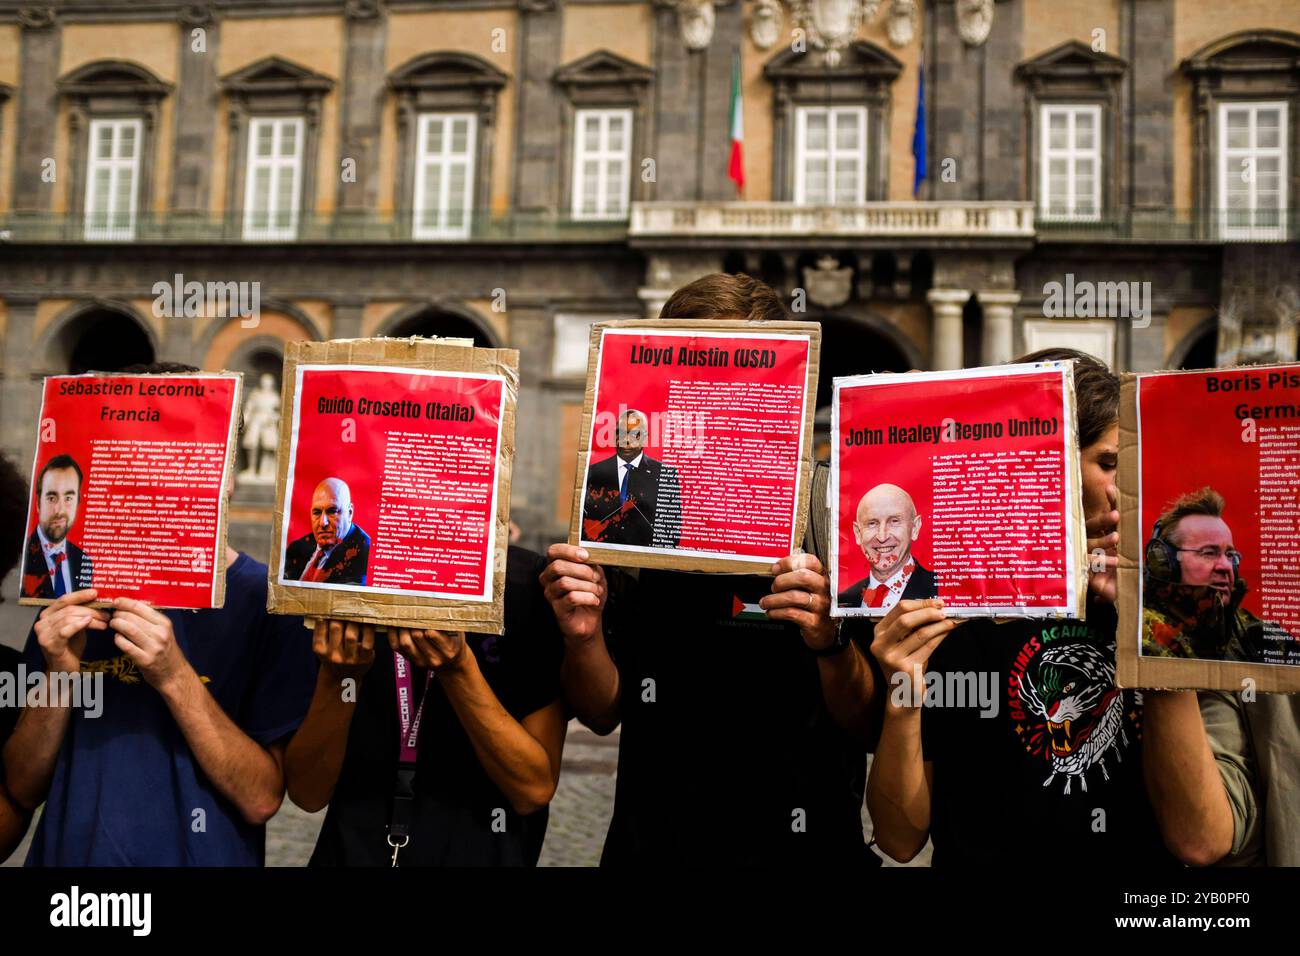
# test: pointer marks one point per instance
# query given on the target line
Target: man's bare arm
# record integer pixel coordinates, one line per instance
(1182, 776)
(577, 592)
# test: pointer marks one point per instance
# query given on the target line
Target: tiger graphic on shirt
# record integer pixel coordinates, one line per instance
(1066, 708)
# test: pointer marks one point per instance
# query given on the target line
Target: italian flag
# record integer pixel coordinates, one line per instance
(736, 164)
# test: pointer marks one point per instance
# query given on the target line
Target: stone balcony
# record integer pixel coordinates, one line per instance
(941, 223)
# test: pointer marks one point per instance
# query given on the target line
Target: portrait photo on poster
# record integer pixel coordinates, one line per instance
(961, 485)
(404, 456)
(129, 490)
(695, 444)
(1214, 553)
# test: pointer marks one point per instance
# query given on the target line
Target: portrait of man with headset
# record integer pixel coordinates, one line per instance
(1192, 590)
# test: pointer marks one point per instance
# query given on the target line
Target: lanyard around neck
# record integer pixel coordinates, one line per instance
(409, 733)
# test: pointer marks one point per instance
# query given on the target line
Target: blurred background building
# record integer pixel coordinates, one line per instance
(514, 170)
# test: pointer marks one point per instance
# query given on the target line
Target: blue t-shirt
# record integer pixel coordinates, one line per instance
(127, 790)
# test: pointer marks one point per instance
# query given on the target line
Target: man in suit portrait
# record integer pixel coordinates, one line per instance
(631, 498)
(336, 551)
(885, 527)
(52, 565)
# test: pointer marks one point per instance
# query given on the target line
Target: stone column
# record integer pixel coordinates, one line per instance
(348, 313)
(19, 392)
(945, 330)
(998, 306)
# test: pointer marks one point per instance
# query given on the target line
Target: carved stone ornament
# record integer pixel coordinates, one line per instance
(361, 9)
(695, 17)
(196, 15)
(828, 285)
(765, 23)
(901, 25)
(974, 20)
(831, 25)
(36, 18)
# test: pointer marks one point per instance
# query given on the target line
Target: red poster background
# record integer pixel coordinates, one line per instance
(1191, 438)
(621, 384)
(77, 421)
(908, 403)
(322, 451)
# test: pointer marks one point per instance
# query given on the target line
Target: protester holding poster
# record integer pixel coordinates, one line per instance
(673, 656)
(696, 437)
(484, 730)
(1218, 608)
(1000, 738)
(177, 719)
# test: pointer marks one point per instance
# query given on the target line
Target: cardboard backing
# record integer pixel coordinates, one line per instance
(398, 610)
(675, 562)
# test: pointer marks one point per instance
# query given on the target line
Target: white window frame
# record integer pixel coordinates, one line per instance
(115, 166)
(446, 158)
(1229, 159)
(1071, 154)
(611, 199)
(832, 151)
(278, 165)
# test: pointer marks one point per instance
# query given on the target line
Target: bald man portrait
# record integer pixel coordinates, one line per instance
(885, 527)
(337, 551)
(631, 498)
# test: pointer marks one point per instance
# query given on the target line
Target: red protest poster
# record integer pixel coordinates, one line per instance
(129, 489)
(697, 444)
(392, 481)
(1218, 524)
(960, 485)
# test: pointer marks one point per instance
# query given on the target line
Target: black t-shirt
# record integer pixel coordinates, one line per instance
(9, 661)
(1054, 775)
(729, 756)
(457, 816)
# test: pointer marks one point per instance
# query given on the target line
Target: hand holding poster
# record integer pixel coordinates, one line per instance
(129, 489)
(394, 486)
(958, 485)
(1210, 529)
(696, 439)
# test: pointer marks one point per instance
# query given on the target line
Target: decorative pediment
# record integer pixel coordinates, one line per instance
(113, 78)
(275, 75)
(861, 59)
(1071, 60)
(446, 69)
(1252, 51)
(603, 68)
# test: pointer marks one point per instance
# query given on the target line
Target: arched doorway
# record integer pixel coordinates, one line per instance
(849, 347)
(101, 339)
(435, 321)
(1203, 351)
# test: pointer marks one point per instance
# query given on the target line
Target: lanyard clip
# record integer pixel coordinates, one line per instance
(397, 846)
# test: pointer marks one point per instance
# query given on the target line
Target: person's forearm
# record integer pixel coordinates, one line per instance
(848, 689)
(31, 752)
(239, 767)
(898, 792)
(1183, 779)
(591, 683)
(13, 824)
(512, 758)
(314, 758)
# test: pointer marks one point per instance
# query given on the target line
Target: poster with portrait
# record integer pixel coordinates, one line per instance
(960, 485)
(392, 503)
(696, 443)
(1209, 477)
(129, 489)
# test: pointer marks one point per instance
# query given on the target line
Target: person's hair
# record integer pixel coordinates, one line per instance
(57, 463)
(13, 513)
(158, 368)
(1096, 390)
(1204, 501)
(721, 295)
